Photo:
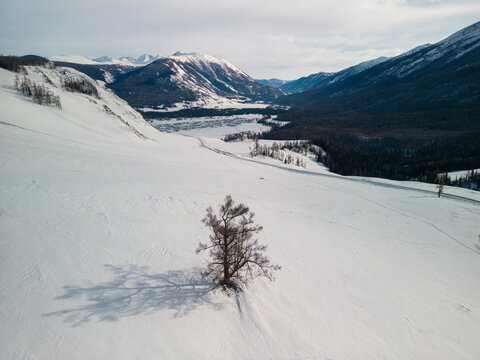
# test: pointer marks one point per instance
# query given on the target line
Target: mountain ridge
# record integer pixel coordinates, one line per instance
(409, 117)
(322, 79)
(143, 59)
(409, 66)
(190, 80)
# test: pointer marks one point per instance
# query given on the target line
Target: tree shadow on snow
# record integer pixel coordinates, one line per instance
(133, 291)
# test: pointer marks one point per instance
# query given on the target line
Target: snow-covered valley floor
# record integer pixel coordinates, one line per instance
(98, 228)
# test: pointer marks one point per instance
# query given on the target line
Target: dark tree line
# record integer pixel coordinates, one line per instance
(17, 63)
(241, 136)
(80, 85)
(400, 159)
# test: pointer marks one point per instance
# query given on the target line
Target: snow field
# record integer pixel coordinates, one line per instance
(99, 227)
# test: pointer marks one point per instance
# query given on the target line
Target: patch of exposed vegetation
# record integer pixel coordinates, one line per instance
(39, 93)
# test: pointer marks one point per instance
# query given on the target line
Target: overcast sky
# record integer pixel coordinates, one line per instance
(264, 38)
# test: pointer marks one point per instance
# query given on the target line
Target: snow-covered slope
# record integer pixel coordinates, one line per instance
(99, 226)
(106, 114)
(186, 80)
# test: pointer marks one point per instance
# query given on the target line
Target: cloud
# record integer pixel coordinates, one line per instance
(265, 38)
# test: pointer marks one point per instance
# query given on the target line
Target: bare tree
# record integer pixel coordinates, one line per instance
(17, 82)
(255, 151)
(236, 257)
(441, 182)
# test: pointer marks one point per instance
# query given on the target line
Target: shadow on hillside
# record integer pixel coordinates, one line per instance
(133, 291)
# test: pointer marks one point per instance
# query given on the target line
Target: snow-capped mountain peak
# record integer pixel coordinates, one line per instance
(145, 59)
(204, 59)
(194, 78)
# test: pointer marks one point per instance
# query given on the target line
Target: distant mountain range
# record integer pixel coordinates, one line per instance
(144, 59)
(444, 74)
(107, 60)
(426, 78)
(177, 82)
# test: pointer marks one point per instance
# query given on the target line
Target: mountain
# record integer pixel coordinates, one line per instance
(190, 81)
(146, 59)
(274, 83)
(323, 79)
(104, 68)
(410, 116)
(106, 72)
(431, 77)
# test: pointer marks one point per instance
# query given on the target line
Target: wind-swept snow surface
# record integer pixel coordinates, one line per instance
(98, 227)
